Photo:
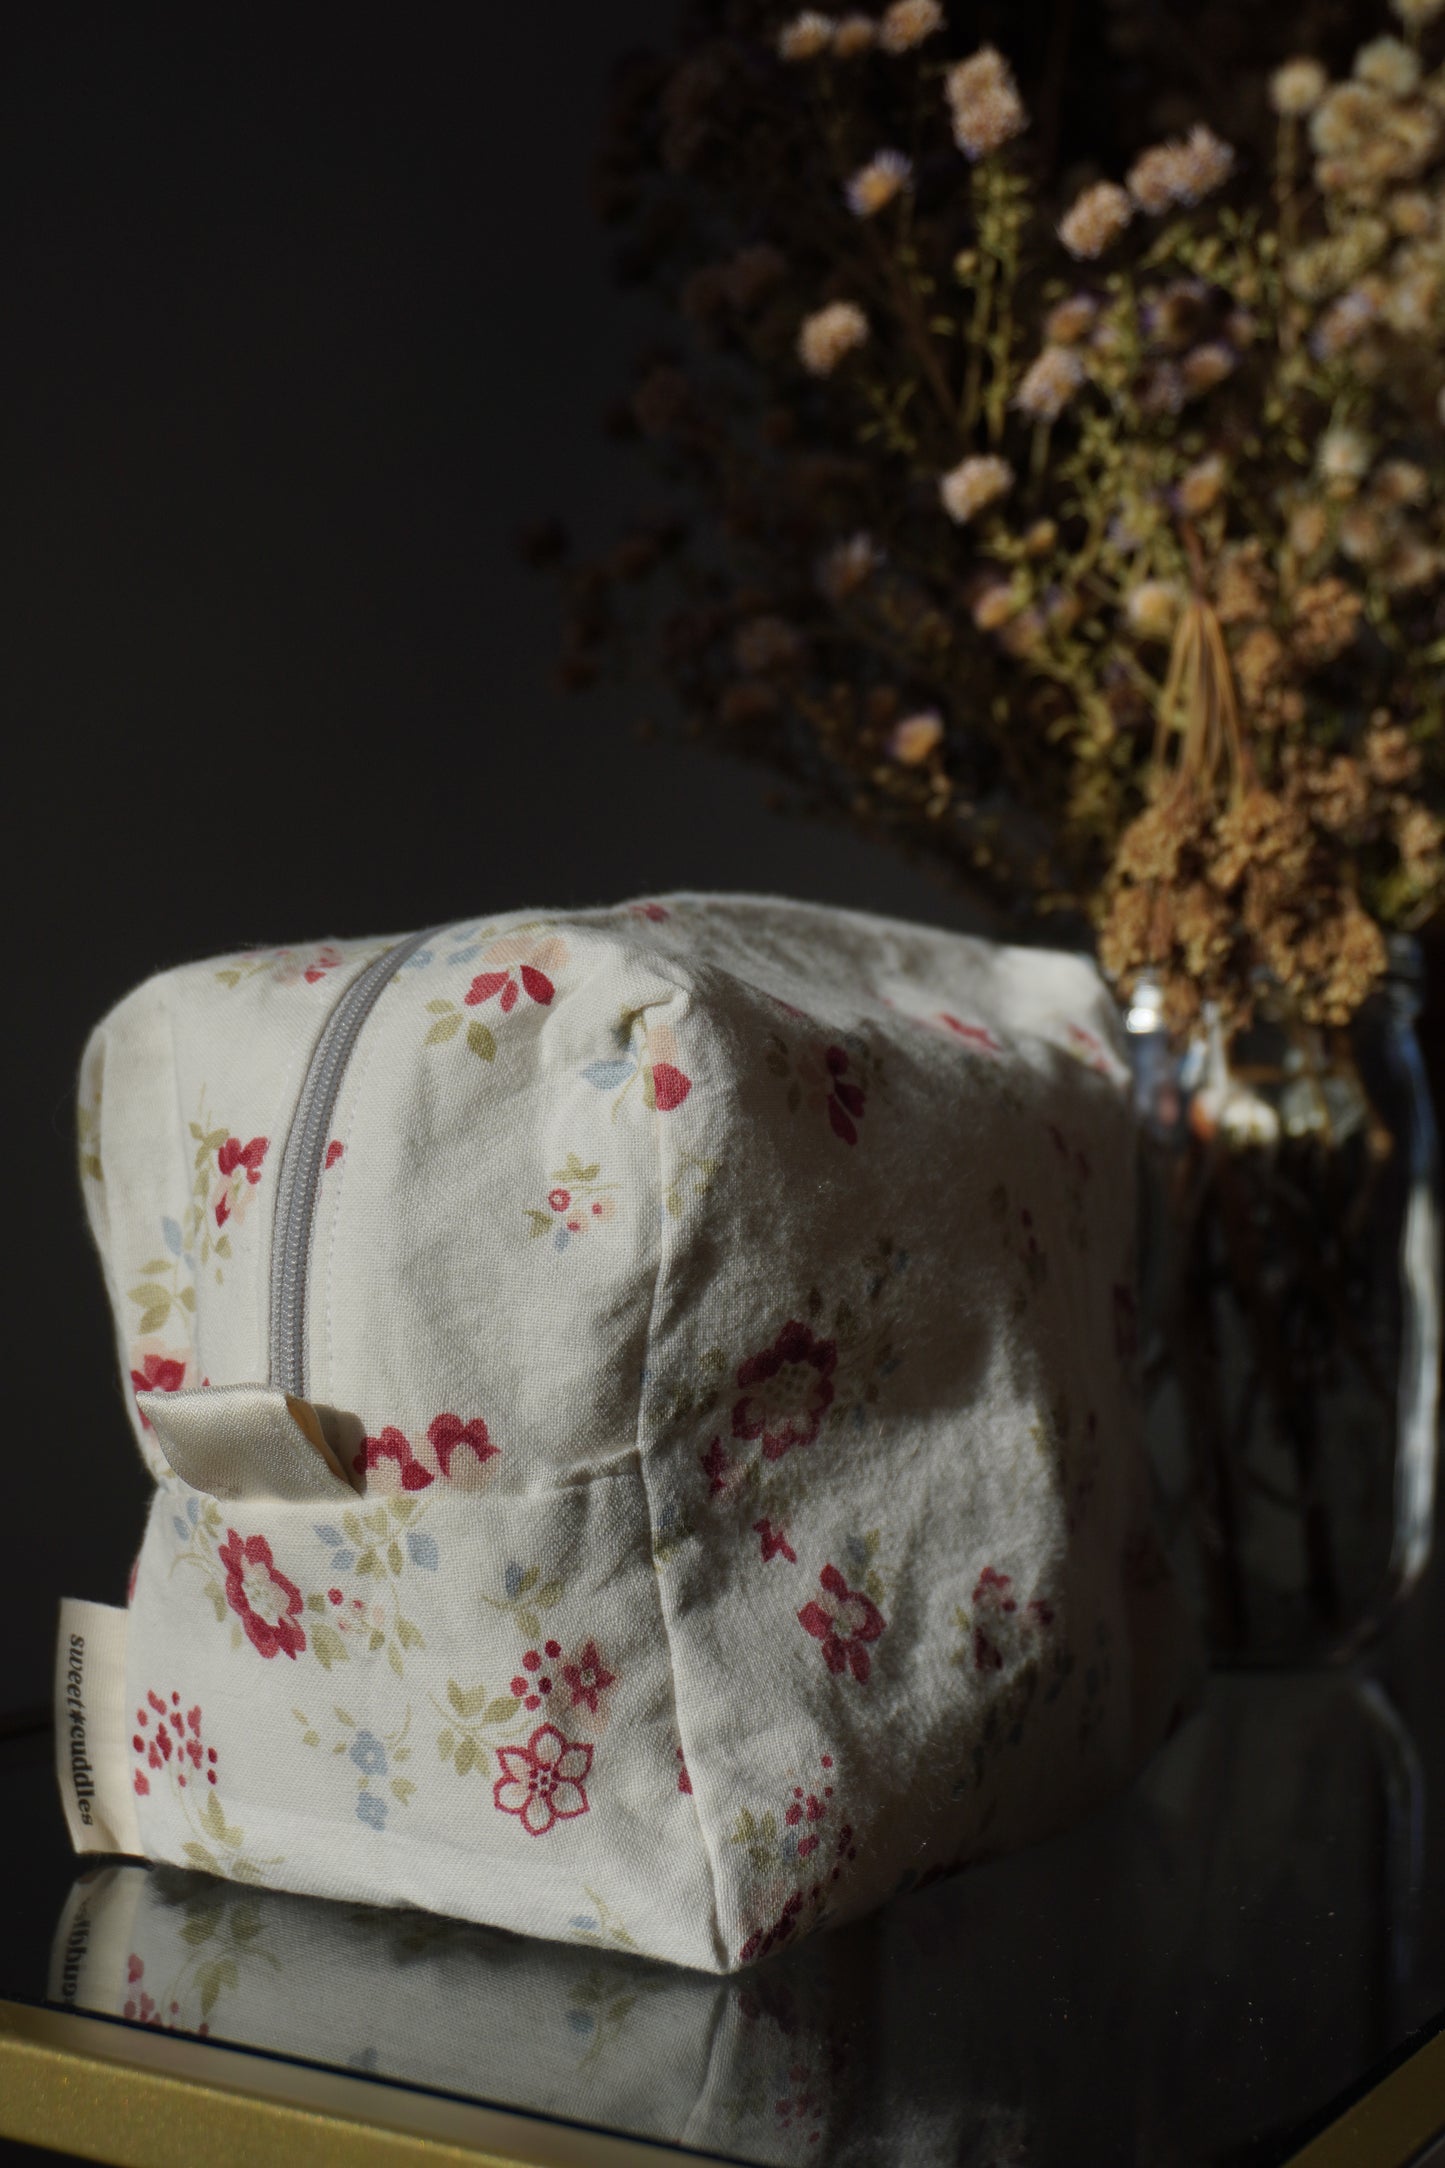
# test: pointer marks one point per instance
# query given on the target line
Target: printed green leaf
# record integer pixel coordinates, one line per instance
(541, 1221)
(201, 1856)
(530, 1624)
(467, 1704)
(402, 1509)
(446, 1744)
(376, 1640)
(218, 1603)
(328, 1644)
(466, 1756)
(214, 1139)
(376, 1522)
(502, 1710)
(152, 1320)
(408, 1634)
(221, 1972)
(222, 1245)
(550, 1595)
(351, 1522)
(368, 1562)
(187, 1298)
(480, 1040)
(156, 1264)
(393, 1555)
(151, 1292)
(393, 1657)
(202, 1927)
(445, 1027)
(213, 1820)
(344, 1716)
(402, 1788)
(227, 978)
(245, 1922)
(309, 1738)
(529, 1579)
(196, 1130)
(316, 1603)
(440, 1008)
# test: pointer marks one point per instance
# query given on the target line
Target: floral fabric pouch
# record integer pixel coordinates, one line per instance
(642, 1419)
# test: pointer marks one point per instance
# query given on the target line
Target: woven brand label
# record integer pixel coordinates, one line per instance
(91, 1760)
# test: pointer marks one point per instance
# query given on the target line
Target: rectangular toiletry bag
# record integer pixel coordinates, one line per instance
(642, 1412)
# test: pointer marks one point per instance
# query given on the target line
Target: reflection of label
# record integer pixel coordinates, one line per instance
(91, 1754)
(82, 1776)
(77, 1942)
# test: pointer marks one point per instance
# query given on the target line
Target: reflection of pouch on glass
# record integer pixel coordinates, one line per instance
(641, 1402)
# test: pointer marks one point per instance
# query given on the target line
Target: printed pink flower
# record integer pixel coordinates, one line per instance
(588, 1678)
(395, 1447)
(559, 1199)
(448, 1434)
(846, 1099)
(775, 1543)
(845, 1620)
(520, 966)
(787, 1389)
(233, 1154)
(543, 1780)
(971, 1034)
(239, 1167)
(158, 1374)
(326, 959)
(266, 1603)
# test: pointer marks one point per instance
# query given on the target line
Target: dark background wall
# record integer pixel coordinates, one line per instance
(301, 323)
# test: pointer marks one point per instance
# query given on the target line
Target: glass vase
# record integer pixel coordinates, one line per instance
(1290, 1317)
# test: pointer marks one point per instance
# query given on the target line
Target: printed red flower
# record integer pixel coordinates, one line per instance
(233, 1154)
(326, 959)
(393, 1445)
(543, 1781)
(535, 984)
(715, 1466)
(447, 1433)
(334, 1151)
(786, 1391)
(266, 1603)
(669, 1086)
(652, 911)
(844, 1621)
(588, 1678)
(775, 1543)
(158, 1374)
(684, 1781)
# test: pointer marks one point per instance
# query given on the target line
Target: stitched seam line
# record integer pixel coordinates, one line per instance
(720, 1946)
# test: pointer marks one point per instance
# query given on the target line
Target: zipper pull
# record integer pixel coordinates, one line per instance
(250, 1442)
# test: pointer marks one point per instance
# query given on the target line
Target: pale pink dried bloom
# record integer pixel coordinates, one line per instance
(829, 334)
(916, 738)
(1346, 320)
(1400, 481)
(973, 485)
(907, 23)
(874, 186)
(1343, 456)
(1049, 383)
(1297, 88)
(1180, 172)
(1413, 564)
(1095, 219)
(855, 34)
(1207, 165)
(985, 103)
(1070, 319)
(1389, 66)
(1412, 302)
(806, 36)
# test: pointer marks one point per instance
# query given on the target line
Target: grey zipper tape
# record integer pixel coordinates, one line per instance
(92, 1736)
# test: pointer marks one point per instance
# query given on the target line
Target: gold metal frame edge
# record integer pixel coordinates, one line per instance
(141, 2098)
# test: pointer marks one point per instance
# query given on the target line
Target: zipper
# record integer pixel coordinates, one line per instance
(301, 1165)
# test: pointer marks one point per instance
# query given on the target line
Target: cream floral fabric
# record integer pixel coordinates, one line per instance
(721, 1316)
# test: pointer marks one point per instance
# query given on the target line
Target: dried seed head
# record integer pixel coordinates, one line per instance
(1389, 66)
(973, 485)
(854, 34)
(907, 23)
(806, 36)
(829, 334)
(985, 103)
(875, 184)
(1297, 88)
(1343, 457)
(1201, 486)
(1153, 608)
(1070, 319)
(1205, 366)
(1049, 383)
(1095, 219)
(916, 738)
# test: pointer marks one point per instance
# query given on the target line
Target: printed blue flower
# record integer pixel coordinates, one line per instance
(343, 1562)
(171, 1234)
(581, 2021)
(512, 1580)
(330, 1535)
(371, 1810)
(607, 1075)
(183, 1529)
(193, 1509)
(422, 1550)
(369, 1754)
